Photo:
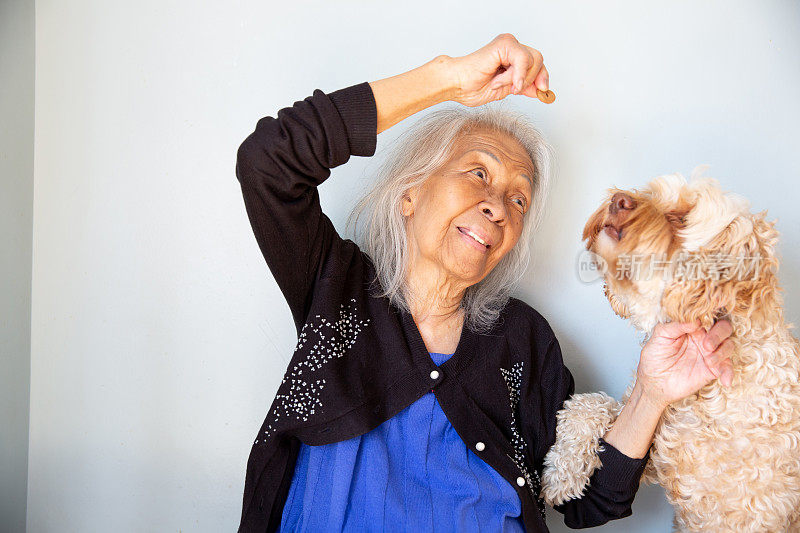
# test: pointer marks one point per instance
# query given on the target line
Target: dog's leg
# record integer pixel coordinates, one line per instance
(573, 458)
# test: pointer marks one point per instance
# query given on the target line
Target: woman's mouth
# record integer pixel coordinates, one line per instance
(471, 240)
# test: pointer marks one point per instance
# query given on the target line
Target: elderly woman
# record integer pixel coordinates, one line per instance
(421, 395)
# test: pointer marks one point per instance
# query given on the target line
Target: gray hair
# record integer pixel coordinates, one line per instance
(419, 152)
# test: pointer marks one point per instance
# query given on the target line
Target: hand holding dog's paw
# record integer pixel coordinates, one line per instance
(681, 357)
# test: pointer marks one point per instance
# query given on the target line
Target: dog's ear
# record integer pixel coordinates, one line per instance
(690, 295)
(594, 225)
(757, 295)
(735, 272)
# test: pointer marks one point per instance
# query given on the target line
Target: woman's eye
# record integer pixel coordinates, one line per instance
(483, 173)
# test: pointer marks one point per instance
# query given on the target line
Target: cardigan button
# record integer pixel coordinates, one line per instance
(480, 446)
(434, 374)
(520, 481)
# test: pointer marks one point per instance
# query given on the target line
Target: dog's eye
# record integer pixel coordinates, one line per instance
(677, 219)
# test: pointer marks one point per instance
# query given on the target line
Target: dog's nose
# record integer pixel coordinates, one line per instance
(621, 201)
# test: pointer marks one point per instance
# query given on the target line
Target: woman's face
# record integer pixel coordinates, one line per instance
(485, 187)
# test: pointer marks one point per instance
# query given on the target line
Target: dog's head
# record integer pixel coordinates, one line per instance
(678, 251)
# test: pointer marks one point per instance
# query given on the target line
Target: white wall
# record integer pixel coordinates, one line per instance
(158, 335)
(16, 225)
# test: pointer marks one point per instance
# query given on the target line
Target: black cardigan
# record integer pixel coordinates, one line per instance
(359, 361)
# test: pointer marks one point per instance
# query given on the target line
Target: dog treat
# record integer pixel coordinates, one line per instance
(548, 96)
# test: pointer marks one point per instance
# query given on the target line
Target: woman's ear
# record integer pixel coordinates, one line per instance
(408, 202)
(406, 206)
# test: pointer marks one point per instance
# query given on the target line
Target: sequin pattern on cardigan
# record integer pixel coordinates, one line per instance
(303, 397)
(513, 379)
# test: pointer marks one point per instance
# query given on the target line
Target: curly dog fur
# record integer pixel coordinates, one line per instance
(728, 458)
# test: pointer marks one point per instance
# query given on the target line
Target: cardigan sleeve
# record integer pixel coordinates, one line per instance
(280, 165)
(611, 488)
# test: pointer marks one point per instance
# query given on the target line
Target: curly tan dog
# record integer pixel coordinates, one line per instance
(727, 457)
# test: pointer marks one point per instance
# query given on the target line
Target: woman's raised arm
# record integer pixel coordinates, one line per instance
(403, 95)
(279, 167)
(502, 67)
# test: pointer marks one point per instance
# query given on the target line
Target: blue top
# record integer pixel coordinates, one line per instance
(408, 474)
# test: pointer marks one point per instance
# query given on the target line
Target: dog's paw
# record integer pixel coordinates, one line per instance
(573, 458)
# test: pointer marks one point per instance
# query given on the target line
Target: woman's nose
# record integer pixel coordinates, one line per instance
(493, 208)
(621, 201)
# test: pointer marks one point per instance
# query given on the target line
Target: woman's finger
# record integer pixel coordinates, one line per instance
(535, 87)
(720, 331)
(534, 66)
(502, 79)
(727, 373)
(508, 51)
(542, 80)
(718, 360)
(517, 60)
(724, 371)
(522, 62)
(538, 74)
(675, 330)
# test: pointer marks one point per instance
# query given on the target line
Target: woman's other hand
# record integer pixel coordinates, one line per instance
(680, 358)
(502, 67)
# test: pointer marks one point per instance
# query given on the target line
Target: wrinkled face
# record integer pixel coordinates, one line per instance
(665, 247)
(484, 188)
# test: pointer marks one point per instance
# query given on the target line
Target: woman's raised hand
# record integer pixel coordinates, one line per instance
(502, 67)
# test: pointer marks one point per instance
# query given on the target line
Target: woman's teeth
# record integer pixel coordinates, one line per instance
(468, 232)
